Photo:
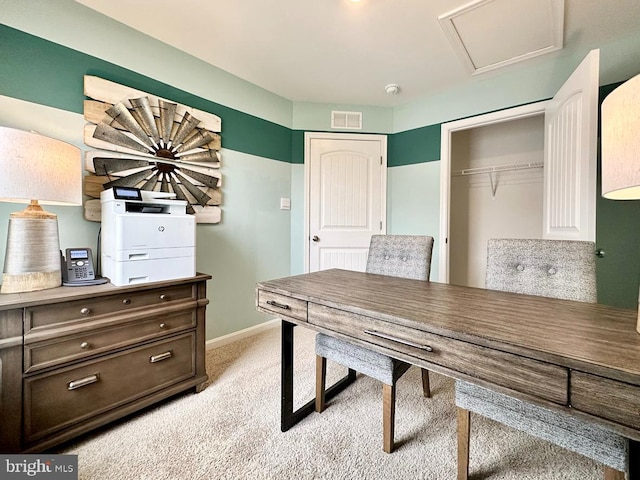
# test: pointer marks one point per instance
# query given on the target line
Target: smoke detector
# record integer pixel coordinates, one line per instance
(392, 89)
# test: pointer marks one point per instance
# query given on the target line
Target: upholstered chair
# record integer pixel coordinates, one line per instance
(550, 268)
(406, 256)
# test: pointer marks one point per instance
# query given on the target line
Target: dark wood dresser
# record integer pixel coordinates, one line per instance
(75, 358)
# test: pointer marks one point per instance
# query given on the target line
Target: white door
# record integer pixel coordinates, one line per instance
(571, 130)
(346, 198)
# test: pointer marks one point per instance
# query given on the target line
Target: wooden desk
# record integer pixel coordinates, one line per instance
(576, 357)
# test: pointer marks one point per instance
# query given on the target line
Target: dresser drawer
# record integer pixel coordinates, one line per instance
(605, 398)
(68, 396)
(38, 356)
(48, 315)
(282, 305)
(511, 371)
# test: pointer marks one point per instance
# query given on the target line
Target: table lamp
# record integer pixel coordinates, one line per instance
(621, 145)
(35, 169)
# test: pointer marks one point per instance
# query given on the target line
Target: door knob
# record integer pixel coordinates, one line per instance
(599, 253)
(315, 238)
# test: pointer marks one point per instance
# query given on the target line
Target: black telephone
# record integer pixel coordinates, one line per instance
(77, 268)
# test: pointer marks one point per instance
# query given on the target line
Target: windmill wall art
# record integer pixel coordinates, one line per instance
(153, 144)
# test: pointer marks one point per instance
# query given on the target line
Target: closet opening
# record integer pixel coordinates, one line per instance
(496, 191)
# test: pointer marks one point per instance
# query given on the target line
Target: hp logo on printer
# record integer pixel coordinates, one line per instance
(161, 228)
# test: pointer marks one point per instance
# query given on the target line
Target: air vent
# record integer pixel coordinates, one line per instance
(348, 120)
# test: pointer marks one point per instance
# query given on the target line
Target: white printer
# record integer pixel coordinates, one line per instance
(145, 236)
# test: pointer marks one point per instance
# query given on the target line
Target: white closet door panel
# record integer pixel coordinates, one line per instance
(571, 122)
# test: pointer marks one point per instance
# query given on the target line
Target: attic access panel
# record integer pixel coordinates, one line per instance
(490, 34)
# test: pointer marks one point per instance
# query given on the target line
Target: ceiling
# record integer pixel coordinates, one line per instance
(345, 52)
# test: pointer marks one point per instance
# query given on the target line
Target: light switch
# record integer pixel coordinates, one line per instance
(285, 204)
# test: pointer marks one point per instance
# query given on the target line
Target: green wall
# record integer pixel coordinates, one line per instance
(414, 146)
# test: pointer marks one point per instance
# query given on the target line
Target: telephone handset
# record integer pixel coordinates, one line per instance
(77, 268)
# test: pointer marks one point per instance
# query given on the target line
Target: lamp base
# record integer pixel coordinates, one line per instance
(30, 282)
(32, 257)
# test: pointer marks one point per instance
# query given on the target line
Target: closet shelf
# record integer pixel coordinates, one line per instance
(497, 168)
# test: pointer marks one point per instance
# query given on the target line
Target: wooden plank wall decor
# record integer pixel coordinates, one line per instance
(153, 144)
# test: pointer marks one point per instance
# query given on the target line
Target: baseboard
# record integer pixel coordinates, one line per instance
(247, 332)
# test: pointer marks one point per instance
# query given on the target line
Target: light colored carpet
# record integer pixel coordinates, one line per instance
(231, 430)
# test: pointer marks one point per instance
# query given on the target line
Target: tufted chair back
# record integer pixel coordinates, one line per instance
(407, 256)
(550, 268)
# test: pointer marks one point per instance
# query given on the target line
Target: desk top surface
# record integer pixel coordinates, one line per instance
(598, 338)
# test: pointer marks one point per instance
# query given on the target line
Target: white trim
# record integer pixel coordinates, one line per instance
(308, 136)
(446, 132)
(239, 335)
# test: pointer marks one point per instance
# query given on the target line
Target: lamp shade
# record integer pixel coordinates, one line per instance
(37, 167)
(621, 142)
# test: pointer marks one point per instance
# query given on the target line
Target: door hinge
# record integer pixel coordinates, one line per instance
(380, 160)
(380, 225)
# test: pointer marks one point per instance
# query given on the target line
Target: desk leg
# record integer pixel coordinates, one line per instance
(634, 460)
(289, 417)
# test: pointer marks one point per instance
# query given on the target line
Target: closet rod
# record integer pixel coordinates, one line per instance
(497, 168)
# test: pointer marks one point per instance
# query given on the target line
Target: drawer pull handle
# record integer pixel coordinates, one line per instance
(160, 357)
(164, 297)
(84, 345)
(85, 311)
(273, 303)
(126, 301)
(163, 325)
(375, 333)
(83, 382)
